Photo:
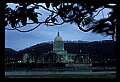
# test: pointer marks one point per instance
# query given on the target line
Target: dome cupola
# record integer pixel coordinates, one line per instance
(58, 38)
(58, 44)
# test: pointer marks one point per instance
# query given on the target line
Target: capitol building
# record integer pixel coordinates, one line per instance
(59, 55)
(58, 48)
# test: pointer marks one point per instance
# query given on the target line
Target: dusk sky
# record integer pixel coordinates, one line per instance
(21, 40)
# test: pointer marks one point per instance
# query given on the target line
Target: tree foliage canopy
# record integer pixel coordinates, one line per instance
(82, 14)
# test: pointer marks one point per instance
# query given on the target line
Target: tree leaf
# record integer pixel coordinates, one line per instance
(23, 21)
(55, 4)
(47, 5)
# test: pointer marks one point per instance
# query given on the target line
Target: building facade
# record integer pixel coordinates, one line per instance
(58, 48)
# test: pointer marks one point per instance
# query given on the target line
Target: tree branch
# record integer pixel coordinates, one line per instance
(18, 27)
(28, 30)
(55, 23)
(45, 8)
(85, 30)
(98, 12)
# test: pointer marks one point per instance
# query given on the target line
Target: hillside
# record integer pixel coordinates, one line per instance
(9, 53)
(97, 50)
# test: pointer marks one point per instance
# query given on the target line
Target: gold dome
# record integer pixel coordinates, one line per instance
(58, 38)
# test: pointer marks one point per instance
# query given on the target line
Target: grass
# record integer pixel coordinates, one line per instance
(110, 76)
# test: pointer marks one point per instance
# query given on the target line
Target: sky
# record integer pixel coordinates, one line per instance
(21, 40)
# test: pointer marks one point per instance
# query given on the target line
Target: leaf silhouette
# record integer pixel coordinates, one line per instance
(47, 5)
